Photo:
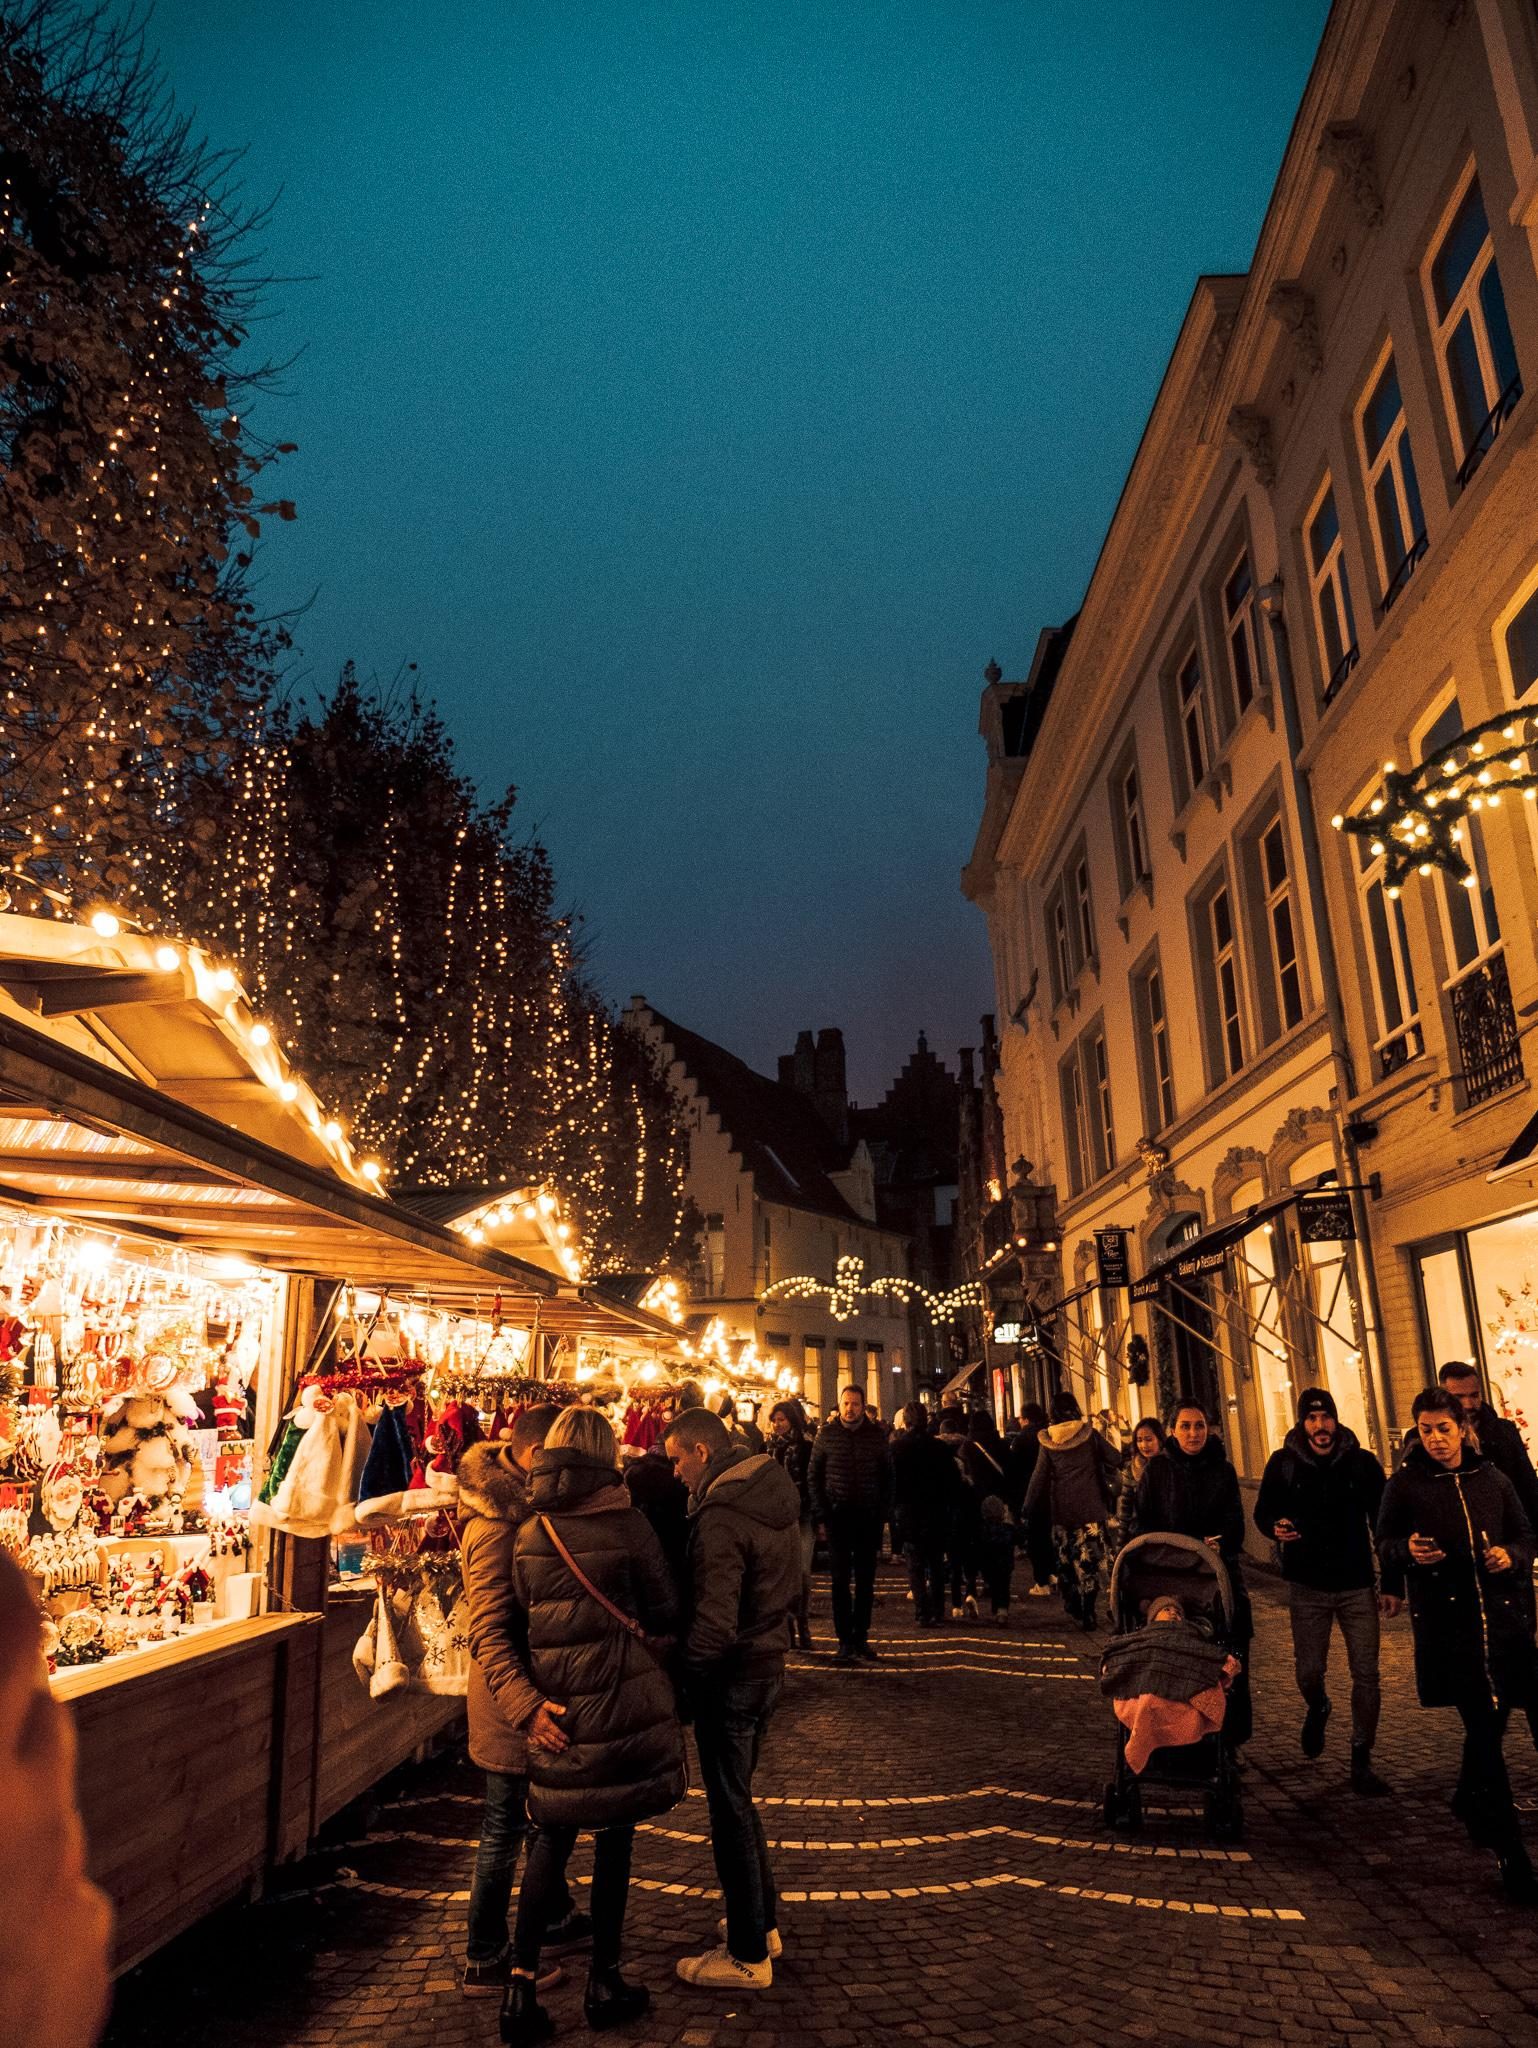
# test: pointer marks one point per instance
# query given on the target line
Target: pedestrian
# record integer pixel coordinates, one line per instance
(964, 1546)
(1074, 1485)
(740, 1424)
(504, 1708)
(745, 1560)
(1193, 1490)
(926, 1482)
(983, 1466)
(790, 1445)
(655, 1489)
(1147, 1442)
(850, 1483)
(1318, 1501)
(1033, 1534)
(1451, 1521)
(601, 1605)
(1494, 1437)
(998, 1556)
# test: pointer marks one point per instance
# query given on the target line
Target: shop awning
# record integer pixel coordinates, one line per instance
(102, 1148)
(1520, 1156)
(1206, 1253)
(958, 1380)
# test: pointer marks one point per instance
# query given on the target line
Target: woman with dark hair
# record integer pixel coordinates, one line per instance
(1451, 1525)
(1193, 1490)
(1147, 1442)
(1074, 1485)
(790, 1446)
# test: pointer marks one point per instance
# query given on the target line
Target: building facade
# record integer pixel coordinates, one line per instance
(1221, 1034)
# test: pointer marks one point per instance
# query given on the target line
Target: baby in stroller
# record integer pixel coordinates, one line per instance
(1167, 1681)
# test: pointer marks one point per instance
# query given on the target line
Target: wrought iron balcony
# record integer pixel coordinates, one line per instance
(1485, 439)
(998, 1228)
(1398, 1051)
(1343, 668)
(1402, 575)
(1485, 1025)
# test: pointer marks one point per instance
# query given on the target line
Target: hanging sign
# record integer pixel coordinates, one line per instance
(1111, 1258)
(1325, 1217)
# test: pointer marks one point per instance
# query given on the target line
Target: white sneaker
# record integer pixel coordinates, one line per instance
(955, 1614)
(1041, 1592)
(969, 1608)
(772, 1938)
(717, 1970)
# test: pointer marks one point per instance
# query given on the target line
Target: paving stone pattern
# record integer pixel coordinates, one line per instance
(946, 1878)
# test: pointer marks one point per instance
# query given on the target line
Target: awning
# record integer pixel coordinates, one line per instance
(959, 1379)
(1206, 1253)
(1519, 1155)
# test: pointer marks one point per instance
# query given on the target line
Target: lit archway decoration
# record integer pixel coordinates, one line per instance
(849, 1288)
(1417, 821)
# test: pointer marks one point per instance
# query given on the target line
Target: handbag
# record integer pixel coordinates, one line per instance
(659, 1646)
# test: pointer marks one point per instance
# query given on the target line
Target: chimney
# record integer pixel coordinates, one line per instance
(968, 1080)
(830, 1087)
(798, 1069)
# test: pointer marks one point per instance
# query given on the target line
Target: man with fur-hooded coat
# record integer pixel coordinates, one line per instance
(505, 1709)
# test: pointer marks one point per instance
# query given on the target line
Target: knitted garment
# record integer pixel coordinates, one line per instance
(288, 1444)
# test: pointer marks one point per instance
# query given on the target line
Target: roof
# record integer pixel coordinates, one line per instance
(784, 1143)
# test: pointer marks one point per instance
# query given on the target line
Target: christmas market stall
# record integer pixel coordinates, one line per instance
(181, 1224)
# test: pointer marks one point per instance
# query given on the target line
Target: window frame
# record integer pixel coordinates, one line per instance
(1240, 623)
(1075, 1119)
(1334, 572)
(1083, 904)
(1193, 776)
(1396, 451)
(1098, 1090)
(1368, 875)
(1483, 915)
(1467, 302)
(1274, 896)
(1156, 1071)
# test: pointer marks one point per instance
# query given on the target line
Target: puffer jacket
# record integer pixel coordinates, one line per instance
(1074, 1481)
(850, 1469)
(1332, 1502)
(1502, 1445)
(493, 1502)
(625, 1760)
(1473, 1629)
(745, 1555)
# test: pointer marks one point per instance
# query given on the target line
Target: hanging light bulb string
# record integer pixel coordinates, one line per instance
(1417, 821)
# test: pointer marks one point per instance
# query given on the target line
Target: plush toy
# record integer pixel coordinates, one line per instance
(145, 1448)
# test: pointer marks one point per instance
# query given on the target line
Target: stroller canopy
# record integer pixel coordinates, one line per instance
(1162, 1564)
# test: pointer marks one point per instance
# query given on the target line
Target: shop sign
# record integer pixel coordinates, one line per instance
(1111, 1258)
(1325, 1217)
(1006, 1333)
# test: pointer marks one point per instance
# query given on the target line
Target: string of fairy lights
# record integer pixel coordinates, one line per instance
(1418, 822)
(849, 1290)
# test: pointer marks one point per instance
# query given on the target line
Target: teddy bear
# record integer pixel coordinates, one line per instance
(146, 1449)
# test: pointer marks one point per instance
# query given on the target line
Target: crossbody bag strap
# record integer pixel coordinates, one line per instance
(626, 1621)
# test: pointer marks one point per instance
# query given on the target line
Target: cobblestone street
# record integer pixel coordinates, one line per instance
(946, 1876)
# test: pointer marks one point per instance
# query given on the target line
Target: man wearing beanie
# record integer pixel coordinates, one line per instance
(1318, 1502)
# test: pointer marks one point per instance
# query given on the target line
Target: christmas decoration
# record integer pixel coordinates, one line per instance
(1416, 823)
(849, 1288)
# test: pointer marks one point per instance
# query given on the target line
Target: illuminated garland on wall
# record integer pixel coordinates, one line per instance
(849, 1288)
(1416, 823)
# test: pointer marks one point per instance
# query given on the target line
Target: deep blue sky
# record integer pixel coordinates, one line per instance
(701, 391)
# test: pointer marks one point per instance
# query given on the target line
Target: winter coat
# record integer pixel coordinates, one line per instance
(745, 1561)
(1502, 1445)
(793, 1455)
(1197, 1497)
(1332, 1502)
(1473, 1629)
(625, 1760)
(656, 1489)
(850, 1468)
(1075, 1477)
(1020, 1459)
(982, 1468)
(319, 1492)
(493, 1502)
(927, 1486)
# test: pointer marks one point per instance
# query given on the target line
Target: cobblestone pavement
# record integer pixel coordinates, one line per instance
(946, 1877)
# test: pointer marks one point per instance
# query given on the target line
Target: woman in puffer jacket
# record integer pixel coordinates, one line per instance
(624, 1755)
(1074, 1483)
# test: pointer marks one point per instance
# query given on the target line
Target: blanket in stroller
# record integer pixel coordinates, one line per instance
(1167, 1683)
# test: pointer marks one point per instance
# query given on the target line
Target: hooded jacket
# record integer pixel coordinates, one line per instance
(1473, 1629)
(1074, 1478)
(851, 1468)
(745, 1560)
(625, 1759)
(493, 1501)
(1332, 1501)
(1194, 1496)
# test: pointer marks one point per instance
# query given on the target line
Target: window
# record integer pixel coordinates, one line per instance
(1083, 912)
(1132, 816)
(1239, 626)
(1103, 1128)
(1281, 924)
(1388, 954)
(1333, 619)
(1475, 352)
(1388, 468)
(1058, 942)
(1469, 922)
(1522, 649)
(1075, 1126)
(1190, 711)
(1225, 964)
(1154, 1048)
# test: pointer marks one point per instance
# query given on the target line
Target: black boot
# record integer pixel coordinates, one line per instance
(1087, 1617)
(1365, 1781)
(524, 2020)
(803, 1630)
(610, 2002)
(1517, 1879)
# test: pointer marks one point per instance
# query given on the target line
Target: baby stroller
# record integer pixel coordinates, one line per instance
(1148, 1569)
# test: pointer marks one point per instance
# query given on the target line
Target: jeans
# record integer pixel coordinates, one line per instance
(1483, 1798)
(998, 1571)
(504, 1827)
(854, 1538)
(963, 1566)
(729, 1724)
(926, 1575)
(544, 1888)
(1356, 1611)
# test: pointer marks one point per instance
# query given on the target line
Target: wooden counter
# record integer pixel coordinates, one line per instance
(182, 1770)
(362, 1738)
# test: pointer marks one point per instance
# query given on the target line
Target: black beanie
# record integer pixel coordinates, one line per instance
(1317, 1397)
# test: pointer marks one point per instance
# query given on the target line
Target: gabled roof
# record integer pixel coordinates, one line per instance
(784, 1143)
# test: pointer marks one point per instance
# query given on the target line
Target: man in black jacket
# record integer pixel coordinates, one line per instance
(745, 1559)
(927, 1486)
(850, 1484)
(1318, 1502)
(1494, 1437)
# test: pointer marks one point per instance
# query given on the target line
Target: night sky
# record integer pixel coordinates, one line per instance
(701, 393)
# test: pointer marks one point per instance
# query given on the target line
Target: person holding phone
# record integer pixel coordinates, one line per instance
(1318, 1502)
(1453, 1525)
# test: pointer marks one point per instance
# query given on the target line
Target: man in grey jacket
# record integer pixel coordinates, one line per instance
(745, 1564)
